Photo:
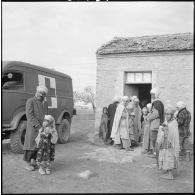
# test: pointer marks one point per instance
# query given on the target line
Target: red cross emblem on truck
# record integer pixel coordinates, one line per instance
(50, 83)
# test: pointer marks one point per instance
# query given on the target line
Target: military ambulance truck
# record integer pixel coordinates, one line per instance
(19, 82)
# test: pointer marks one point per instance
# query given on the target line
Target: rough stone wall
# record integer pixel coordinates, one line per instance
(172, 72)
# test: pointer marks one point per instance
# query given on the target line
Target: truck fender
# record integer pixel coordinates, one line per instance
(16, 120)
(64, 112)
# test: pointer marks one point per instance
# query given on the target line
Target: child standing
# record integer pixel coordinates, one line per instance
(132, 128)
(168, 145)
(103, 129)
(146, 131)
(46, 140)
(144, 115)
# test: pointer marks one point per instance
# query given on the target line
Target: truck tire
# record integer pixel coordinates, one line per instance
(64, 131)
(17, 138)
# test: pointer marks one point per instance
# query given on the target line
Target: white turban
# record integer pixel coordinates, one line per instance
(42, 88)
(149, 105)
(133, 97)
(136, 99)
(155, 91)
(180, 105)
(125, 98)
(116, 99)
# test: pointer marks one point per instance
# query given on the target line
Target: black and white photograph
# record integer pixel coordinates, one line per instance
(97, 97)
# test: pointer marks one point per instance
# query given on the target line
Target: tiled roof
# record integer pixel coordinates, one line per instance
(171, 42)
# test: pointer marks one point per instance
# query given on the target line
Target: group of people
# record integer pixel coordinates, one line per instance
(163, 131)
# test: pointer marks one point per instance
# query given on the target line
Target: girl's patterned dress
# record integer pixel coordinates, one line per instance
(46, 148)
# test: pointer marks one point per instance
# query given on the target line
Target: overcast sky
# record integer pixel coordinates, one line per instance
(66, 35)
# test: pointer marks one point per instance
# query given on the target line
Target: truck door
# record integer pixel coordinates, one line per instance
(13, 94)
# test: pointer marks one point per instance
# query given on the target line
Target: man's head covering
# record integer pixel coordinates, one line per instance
(132, 114)
(149, 105)
(136, 99)
(125, 98)
(180, 105)
(155, 91)
(42, 88)
(133, 97)
(116, 99)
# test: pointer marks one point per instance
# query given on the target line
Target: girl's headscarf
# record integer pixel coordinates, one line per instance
(51, 120)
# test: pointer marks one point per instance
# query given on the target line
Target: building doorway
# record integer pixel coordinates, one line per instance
(142, 91)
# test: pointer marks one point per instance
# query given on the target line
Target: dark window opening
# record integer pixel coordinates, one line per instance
(12, 81)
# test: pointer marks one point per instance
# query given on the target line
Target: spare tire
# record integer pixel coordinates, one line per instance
(17, 138)
(64, 131)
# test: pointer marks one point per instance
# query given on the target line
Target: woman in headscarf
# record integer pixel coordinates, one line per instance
(168, 145)
(120, 130)
(137, 119)
(156, 118)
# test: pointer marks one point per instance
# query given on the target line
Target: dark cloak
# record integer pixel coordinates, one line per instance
(111, 113)
(158, 105)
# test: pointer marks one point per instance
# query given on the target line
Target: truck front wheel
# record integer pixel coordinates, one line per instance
(64, 131)
(17, 138)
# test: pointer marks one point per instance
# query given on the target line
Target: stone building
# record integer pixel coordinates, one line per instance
(132, 66)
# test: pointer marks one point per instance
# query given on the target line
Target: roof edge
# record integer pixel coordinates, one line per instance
(107, 48)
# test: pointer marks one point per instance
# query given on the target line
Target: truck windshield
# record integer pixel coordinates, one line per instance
(12, 81)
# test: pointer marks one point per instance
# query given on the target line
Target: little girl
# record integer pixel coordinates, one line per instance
(103, 129)
(132, 129)
(143, 124)
(146, 130)
(46, 140)
(168, 145)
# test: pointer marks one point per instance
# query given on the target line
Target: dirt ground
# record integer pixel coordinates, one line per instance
(114, 170)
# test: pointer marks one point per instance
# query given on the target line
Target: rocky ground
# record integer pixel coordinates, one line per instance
(84, 167)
